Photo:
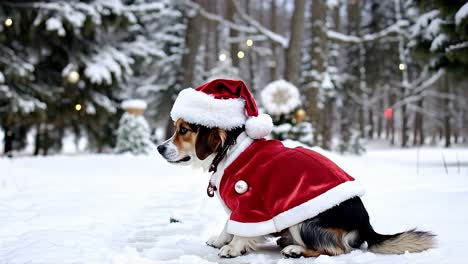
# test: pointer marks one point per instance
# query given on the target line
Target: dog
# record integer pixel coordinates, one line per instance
(332, 232)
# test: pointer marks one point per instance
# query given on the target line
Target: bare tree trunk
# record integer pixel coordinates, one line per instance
(380, 121)
(390, 130)
(418, 136)
(192, 43)
(404, 126)
(217, 30)
(46, 140)
(370, 115)
(234, 47)
(274, 46)
(345, 126)
(312, 82)
(362, 121)
(8, 140)
(447, 113)
(404, 78)
(250, 54)
(210, 36)
(293, 52)
(38, 140)
(327, 121)
(325, 56)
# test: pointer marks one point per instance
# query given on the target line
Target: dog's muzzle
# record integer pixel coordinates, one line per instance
(171, 154)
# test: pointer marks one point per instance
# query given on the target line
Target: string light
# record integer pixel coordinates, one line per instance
(222, 57)
(8, 22)
(249, 42)
(240, 54)
(73, 77)
(78, 107)
(402, 66)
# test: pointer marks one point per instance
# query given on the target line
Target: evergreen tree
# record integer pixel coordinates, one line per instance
(65, 64)
(441, 32)
(281, 99)
(157, 80)
(134, 135)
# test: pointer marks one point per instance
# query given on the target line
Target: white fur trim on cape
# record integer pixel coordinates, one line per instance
(243, 142)
(203, 109)
(298, 214)
(259, 126)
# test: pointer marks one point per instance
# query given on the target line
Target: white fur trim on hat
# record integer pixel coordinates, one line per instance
(203, 109)
(259, 126)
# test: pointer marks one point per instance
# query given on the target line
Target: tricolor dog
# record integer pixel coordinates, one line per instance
(267, 189)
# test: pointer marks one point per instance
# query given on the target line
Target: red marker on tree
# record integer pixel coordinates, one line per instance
(388, 113)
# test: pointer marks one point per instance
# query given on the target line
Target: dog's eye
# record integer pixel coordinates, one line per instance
(183, 130)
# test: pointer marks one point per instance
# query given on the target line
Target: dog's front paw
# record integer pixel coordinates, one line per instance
(230, 251)
(216, 242)
(283, 242)
(293, 251)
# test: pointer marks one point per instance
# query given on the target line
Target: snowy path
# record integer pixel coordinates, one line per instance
(117, 209)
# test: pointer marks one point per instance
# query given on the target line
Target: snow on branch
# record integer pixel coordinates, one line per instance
(418, 92)
(284, 42)
(213, 17)
(458, 46)
(461, 14)
(238, 39)
(145, 7)
(429, 82)
(387, 32)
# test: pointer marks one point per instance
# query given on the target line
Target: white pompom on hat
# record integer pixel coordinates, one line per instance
(222, 103)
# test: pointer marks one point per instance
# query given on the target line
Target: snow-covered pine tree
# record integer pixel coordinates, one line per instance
(64, 64)
(381, 66)
(157, 80)
(134, 134)
(281, 99)
(440, 36)
(441, 32)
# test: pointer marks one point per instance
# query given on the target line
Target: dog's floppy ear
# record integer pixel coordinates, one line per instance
(208, 141)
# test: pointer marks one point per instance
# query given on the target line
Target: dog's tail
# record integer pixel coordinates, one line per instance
(409, 241)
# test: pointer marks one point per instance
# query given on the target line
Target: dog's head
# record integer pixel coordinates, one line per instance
(192, 144)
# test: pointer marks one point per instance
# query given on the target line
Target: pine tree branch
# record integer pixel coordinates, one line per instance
(458, 46)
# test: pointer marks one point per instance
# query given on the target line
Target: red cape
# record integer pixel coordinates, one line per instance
(285, 186)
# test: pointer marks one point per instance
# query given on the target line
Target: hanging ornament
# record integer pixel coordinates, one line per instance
(280, 97)
(388, 113)
(300, 115)
(73, 77)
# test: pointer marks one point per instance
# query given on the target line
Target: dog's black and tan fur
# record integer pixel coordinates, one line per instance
(334, 232)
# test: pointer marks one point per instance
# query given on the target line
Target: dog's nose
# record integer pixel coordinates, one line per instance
(161, 149)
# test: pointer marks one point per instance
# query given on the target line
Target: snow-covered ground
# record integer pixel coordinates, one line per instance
(117, 209)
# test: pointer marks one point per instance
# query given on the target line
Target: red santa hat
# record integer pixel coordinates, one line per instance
(222, 103)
